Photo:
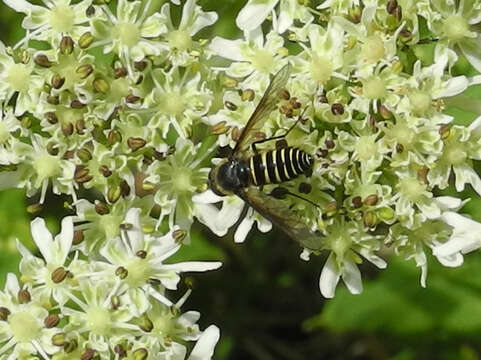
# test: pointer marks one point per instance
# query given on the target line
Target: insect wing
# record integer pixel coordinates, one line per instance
(281, 216)
(268, 102)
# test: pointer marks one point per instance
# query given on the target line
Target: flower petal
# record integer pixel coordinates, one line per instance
(204, 348)
(42, 238)
(254, 13)
(352, 277)
(329, 278)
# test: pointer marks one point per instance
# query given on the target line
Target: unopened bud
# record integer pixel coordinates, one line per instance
(66, 45)
(42, 60)
(51, 321)
(34, 209)
(84, 70)
(386, 214)
(86, 40)
(229, 82)
(136, 143)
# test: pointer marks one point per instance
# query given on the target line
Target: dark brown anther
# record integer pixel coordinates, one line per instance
(120, 351)
(230, 105)
(120, 72)
(285, 94)
(51, 321)
(53, 100)
(42, 60)
(141, 254)
(397, 13)
(322, 153)
(356, 202)
(4, 313)
(78, 237)
(405, 33)
(337, 109)
(391, 6)
(52, 148)
(101, 208)
(131, 99)
(88, 354)
(140, 65)
(422, 175)
(323, 99)
(81, 174)
(24, 296)
(294, 103)
(371, 200)
(80, 126)
(90, 11)
(330, 144)
(57, 81)
(51, 117)
(66, 45)
(67, 129)
(125, 188)
(105, 171)
(136, 143)
(399, 148)
(58, 275)
(114, 137)
(77, 104)
(69, 154)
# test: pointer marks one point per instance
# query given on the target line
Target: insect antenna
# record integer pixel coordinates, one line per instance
(281, 193)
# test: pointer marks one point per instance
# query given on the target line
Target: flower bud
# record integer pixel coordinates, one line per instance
(58, 275)
(140, 354)
(136, 143)
(42, 60)
(84, 70)
(101, 86)
(370, 219)
(113, 194)
(34, 209)
(59, 339)
(386, 213)
(51, 321)
(86, 40)
(66, 45)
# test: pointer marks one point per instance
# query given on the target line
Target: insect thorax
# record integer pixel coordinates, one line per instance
(229, 176)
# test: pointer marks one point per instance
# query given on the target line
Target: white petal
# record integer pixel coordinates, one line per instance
(135, 235)
(204, 348)
(454, 260)
(472, 50)
(329, 278)
(229, 49)
(42, 238)
(207, 214)
(190, 266)
(455, 86)
(455, 245)
(64, 239)
(448, 202)
(202, 21)
(207, 197)
(243, 229)
(11, 285)
(253, 14)
(19, 5)
(352, 277)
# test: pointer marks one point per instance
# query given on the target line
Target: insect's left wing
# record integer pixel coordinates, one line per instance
(281, 216)
(268, 102)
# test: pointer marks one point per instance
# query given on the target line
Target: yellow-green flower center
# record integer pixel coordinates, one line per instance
(180, 40)
(420, 102)
(18, 77)
(110, 225)
(182, 181)
(263, 61)
(455, 154)
(411, 188)
(455, 27)
(374, 88)
(139, 271)
(98, 320)
(128, 34)
(373, 49)
(25, 326)
(171, 103)
(321, 69)
(366, 147)
(403, 135)
(46, 166)
(62, 18)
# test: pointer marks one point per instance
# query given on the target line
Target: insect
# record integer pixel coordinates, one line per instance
(246, 170)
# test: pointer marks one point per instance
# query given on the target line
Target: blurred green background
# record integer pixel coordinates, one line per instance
(266, 300)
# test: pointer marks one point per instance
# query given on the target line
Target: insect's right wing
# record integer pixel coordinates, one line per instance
(281, 216)
(268, 102)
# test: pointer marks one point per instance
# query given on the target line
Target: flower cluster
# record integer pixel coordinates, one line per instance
(123, 105)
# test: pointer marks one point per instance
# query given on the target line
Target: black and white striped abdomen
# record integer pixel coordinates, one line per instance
(276, 166)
